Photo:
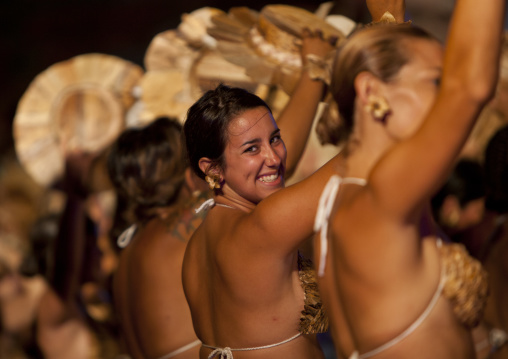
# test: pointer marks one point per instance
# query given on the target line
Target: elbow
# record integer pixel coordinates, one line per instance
(482, 92)
(475, 91)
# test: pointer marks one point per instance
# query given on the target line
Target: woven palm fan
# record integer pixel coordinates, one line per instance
(267, 48)
(181, 65)
(165, 89)
(169, 86)
(78, 104)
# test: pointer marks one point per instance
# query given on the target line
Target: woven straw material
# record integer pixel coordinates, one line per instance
(466, 284)
(281, 25)
(264, 43)
(313, 318)
(182, 64)
(78, 104)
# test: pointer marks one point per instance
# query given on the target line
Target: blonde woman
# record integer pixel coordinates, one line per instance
(392, 289)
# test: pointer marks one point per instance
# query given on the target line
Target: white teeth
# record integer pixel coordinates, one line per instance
(269, 178)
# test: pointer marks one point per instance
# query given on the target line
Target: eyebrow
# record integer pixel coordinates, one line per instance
(257, 140)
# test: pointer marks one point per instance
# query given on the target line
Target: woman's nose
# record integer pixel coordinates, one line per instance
(272, 158)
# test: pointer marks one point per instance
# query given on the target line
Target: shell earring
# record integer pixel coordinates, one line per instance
(378, 107)
(213, 181)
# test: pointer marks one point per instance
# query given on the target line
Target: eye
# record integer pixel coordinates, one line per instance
(251, 149)
(276, 139)
(437, 81)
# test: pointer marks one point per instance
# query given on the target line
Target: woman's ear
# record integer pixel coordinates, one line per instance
(204, 164)
(370, 94)
(366, 85)
(212, 171)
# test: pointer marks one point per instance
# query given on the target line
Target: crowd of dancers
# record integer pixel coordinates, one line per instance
(396, 247)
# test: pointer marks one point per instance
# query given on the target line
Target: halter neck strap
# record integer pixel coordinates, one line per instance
(324, 210)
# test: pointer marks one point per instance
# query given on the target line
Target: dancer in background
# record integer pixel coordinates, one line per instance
(159, 194)
(488, 241)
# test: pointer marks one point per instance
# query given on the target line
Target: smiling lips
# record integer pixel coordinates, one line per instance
(269, 178)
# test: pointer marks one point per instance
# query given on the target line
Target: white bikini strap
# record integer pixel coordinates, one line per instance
(125, 238)
(417, 322)
(174, 353)
(323, 213)
(209, 203)
(227, 352)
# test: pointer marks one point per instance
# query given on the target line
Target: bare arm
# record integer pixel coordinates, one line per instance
(413, 169)
(295, 121)
(280, 223)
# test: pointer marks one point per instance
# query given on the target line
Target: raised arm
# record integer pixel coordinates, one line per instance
(295, 121)
(72, 234)
(410, 173)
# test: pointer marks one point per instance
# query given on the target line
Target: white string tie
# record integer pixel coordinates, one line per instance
(174, 353)
(125, 238)
(227, 352)
(209, 203)
(223, 353)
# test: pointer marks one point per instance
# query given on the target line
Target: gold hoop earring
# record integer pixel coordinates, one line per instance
(378, 107)
(213, 181)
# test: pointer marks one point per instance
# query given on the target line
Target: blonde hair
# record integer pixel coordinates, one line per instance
(381, 50)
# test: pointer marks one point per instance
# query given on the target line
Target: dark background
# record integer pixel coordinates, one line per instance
(36, 34)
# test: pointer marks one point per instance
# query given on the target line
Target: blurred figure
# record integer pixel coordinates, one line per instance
(74, 313)
(19, 295)
(459, 204)
(491, 241)
(20, 290)
(157, 194)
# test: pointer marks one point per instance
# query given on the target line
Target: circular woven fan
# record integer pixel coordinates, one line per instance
(78, 104)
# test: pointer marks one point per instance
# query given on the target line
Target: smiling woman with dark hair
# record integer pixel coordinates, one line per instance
(249, 291)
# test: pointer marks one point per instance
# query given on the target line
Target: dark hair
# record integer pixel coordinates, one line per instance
(147, 166)
(466, 183)
(43, 234)
(496, 172)
(381, 50)
(208, 119)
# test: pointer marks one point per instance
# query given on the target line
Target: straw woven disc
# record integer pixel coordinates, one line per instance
(78, 104)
